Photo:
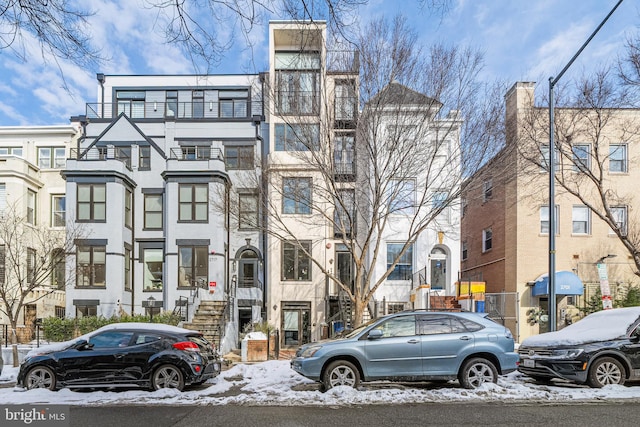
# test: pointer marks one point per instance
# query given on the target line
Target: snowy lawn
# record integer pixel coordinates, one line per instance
(273, 383)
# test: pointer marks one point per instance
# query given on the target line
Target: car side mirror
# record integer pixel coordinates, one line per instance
(83, 345)
(375, 334)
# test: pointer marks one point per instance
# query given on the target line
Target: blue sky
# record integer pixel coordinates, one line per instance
(523, 40)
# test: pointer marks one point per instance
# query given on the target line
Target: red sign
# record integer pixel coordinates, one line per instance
(212, 287)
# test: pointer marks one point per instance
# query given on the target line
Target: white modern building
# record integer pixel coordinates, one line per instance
(153, 181)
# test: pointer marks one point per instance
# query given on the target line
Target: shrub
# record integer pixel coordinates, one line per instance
(57, 330)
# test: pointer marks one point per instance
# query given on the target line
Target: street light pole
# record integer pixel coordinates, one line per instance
(552, 202)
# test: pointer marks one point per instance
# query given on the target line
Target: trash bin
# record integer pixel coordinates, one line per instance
(479, 306)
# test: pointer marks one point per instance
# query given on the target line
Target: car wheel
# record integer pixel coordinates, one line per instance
(341, 372)
(476, 372)
(40, 377)
(604, 371)
(167, 376)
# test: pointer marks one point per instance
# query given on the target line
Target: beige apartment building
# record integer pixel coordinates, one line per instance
(505, 223)
(32, 190)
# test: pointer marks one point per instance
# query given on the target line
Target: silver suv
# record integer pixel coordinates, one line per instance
(413, 346)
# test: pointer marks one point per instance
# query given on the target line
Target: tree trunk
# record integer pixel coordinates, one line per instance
(14, 345)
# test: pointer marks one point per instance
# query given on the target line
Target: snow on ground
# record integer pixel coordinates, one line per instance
(273, 383)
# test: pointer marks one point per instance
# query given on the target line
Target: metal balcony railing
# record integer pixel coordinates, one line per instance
(103, 153)
(195, 153)
(173, 110)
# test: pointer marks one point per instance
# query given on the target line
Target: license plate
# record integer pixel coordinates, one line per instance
(529, 363)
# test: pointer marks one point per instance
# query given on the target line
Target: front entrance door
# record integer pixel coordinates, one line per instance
(345, 268)
(438, 269)
(296, 325)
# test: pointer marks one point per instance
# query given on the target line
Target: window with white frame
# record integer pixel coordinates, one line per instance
(439, 203)
(296, 195)
(465, 250)
(544, 160)
(58, 210)
(12, 151)
(619, 214)
(487, 240)
(581, 157)
(544, 219)
(403, 269)
(32, 200)
(581, 220)
(51, 157)
(402, 196)
(487, 189)
(618, 158)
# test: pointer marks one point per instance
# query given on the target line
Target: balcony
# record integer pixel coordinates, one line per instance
(122, 155)
(195, 153)
(196, 110)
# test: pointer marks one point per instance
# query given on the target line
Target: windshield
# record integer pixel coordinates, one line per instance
(359, 329)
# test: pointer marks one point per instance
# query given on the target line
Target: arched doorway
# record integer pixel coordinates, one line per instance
(247, 278)
(438, 266)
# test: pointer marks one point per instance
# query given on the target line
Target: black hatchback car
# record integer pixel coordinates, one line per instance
(601, 349)
(142, 355)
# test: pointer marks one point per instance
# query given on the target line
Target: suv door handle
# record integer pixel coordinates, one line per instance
(465, 337)
(413, 341)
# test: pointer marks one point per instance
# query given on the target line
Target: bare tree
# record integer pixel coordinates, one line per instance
(595, 132)
(59, 27)
(393, 169)
(32, 264)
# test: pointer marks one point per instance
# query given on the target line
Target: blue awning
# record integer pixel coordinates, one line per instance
(566, 283)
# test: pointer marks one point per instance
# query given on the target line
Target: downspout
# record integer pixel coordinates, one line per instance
(263, 221)
(100, 77)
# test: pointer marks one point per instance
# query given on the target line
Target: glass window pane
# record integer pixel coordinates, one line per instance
(201, 193)
(99, 193)
(185, 193)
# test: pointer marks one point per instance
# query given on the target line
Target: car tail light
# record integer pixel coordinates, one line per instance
(186, 346)
(198, 368)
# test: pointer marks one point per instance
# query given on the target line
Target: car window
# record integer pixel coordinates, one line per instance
(470, 325)
(434, 324)
(111, 339)
(145, 338)
(403, 326)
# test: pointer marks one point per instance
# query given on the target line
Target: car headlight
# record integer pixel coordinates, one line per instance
(570, 353)
(310, 351)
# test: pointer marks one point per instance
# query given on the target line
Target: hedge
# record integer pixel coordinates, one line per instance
(57, 330)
